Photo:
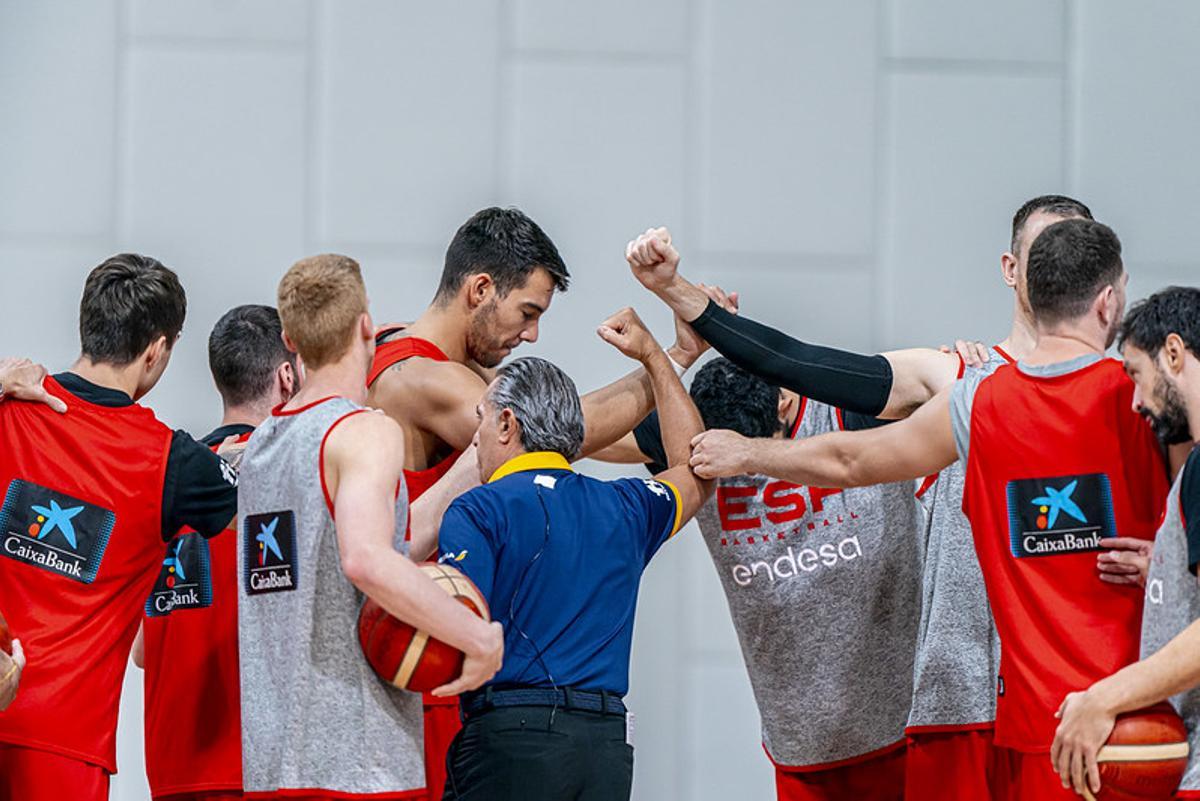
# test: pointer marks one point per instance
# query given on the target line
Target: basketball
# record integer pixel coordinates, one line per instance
(1145, 756)
(411, 659)
(5, 636)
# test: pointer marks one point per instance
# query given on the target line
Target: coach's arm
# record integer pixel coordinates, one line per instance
(912, 448)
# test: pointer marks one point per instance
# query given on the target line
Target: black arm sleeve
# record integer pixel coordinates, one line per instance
(1189, 504)
(649, 440)
(200, 490)
(850, 381)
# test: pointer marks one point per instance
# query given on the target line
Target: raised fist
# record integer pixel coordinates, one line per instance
(652, 258)
(626, 332)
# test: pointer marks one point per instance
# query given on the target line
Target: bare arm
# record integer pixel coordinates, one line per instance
(624, 451)
(363, 463)
(434, 396)
(138, 652)
(919, 446)
(425, 515)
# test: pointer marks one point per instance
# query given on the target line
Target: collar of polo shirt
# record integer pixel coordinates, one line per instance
(536, 460)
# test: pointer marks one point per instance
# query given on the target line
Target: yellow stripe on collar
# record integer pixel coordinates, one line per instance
(537, 460)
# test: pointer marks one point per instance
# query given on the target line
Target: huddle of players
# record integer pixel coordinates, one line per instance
(856, 613)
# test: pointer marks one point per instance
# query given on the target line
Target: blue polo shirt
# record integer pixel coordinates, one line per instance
(559, 557)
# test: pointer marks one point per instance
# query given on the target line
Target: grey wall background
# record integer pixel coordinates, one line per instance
(851, 167)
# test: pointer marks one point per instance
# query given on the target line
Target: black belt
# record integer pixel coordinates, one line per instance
(480, 701)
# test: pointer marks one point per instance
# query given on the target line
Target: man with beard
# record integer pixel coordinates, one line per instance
(501, 272)
(1160, 340)
(1056, 462)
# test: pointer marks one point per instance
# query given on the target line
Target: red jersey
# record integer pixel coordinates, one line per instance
(1056, 460)
(80, 537)
(393, 352)
(193, 719)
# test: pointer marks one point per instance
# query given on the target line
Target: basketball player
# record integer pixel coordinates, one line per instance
(322, 519)
(188, 645)
(1055, 438)
(501, 272)
(949, 729)
(1160, 340)
(91, 496)
(559, 557)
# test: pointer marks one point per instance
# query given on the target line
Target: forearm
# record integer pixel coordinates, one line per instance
(679, 419)
(611, 412)
(400, 587)
(816, 461)
(425, 514)
(839, 378)
(1173, 669)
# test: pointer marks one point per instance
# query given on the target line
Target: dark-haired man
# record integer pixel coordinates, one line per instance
(91, 495)
(559, 557)
(189, 641)
(1053, 439)
(1160, 340)
(500, 274)
(949, 727)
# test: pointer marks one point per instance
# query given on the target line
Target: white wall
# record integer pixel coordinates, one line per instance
(851, 167)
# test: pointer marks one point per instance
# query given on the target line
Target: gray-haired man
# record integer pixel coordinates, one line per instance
(559, 557)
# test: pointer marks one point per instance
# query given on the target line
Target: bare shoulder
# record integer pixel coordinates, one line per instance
(367, 433)
(430, 384)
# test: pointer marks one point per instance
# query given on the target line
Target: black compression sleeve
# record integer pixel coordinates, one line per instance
(649, 440)
(850, 381)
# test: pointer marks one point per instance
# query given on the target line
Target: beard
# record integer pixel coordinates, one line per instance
(482, 346)
(1171, 423)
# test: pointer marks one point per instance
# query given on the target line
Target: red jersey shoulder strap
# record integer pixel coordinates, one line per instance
(397, 350)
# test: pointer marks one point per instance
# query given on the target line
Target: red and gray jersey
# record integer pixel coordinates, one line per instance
(1172, 604)
(958, 650)
(824, 589)
(315, 717)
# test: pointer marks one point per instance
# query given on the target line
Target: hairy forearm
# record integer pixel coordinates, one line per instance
(1171, 670)
(611, 412)
(679, 419)
(818, 461)
(425, 514)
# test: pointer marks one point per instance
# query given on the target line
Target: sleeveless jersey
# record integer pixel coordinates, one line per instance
(1173, 604)
(193, 721)
(958, 650)
(393, 352)
(315, 717)
(81, 541)
(824, 589)
(1056, 460)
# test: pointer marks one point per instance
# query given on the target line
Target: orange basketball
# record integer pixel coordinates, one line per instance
(1145, 756)
(411, 659)
(5, 637)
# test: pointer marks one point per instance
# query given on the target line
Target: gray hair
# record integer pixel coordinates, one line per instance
(545, 402)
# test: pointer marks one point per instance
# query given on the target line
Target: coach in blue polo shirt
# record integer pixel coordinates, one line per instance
(559, 557)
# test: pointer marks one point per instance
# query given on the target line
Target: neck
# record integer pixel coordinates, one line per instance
(1065, 342)
(445, 326)
(1022, 337)
(107, 375)
(247, 414)
(346, 378)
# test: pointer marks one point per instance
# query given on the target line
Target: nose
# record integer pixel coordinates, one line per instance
(530, 334)
(1137, 399)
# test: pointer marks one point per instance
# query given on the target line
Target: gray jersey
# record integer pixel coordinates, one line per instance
(314, 715)
(1172, 603)
(824, 589)
(958, 650)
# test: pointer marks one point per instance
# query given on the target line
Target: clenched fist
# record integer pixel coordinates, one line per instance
(626, 332)
(652, 258)
(720, 454)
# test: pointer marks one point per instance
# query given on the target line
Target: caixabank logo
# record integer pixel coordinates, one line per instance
(54, 531)
(269, 552)
(1064, 514)
(185, 580)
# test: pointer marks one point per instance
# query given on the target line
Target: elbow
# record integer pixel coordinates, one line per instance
(358, 566)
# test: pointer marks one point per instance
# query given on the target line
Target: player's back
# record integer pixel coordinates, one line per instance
(314, 714)
(81, 526)
(1056, 460)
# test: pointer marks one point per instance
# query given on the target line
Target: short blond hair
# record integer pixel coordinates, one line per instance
(320, 301)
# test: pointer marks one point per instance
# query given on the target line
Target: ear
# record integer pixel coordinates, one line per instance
(508, 427)
(366, 328)
(154, 352)
(285, 379)
(787, 404)
(479, 288)
(289, 344)
(1008, 268)
(1173, 354)
(1107, 305)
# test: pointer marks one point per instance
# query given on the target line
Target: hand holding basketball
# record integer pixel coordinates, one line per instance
(1085, 725)
(719, 454)
(652, 258)
(479, 665)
